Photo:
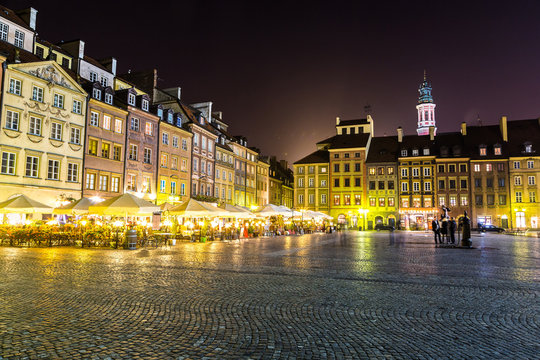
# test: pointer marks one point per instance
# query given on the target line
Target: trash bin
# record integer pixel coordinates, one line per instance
(131, 239)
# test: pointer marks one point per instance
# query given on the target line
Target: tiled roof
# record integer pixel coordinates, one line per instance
(488, 136)
(383, 149)
(319, 156)
(10, 50)
(521, 132)
(13, 17)
(94, 62)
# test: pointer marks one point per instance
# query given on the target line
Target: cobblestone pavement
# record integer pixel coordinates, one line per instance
(346, 296)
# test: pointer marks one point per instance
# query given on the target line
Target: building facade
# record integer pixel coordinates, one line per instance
(224, 172)
(311, 179)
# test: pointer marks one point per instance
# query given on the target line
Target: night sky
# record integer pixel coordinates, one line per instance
(282, 72)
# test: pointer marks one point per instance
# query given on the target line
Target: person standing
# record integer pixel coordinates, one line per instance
(436, 230)
(444, 228)
(466, 226)
(453, 226)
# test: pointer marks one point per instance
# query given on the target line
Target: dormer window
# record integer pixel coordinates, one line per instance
(96, 94)
(426, 151)
(415, 152)
(483, 150)
(144, 105)
(4, 30)
(201, 120)
(403, 152)
(160, 113)
(169, 118)
(178, 121)
(93, 76)
(104, 81)
(108, 98)
(131, 99)
(19, 39)
(497, 149)
(528, 148)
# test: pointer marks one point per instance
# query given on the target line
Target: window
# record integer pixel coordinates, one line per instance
(336, 182)
(519, 197)
(195, 164)
(452, 183)
(146, 184)
(115, 184)
(404, 172)
(347, 182)
(108, 98)
(528, 148)
(37, 94)
(162, 186)
(404, 187)
(90, 181)
(415, 152)
(133, 152)
(300, 199)
(441, 168)
(391, 202)
(463, 167)
(490, 199)
(58, 101)
(403, 152)
(8, 163)
(530, 164)
(346, 155)
(500, 167)
(105, 150)
(347, 199)
(426, 151)
(173, 187)
(149, 129)
(532, 180)
(442, 200)
(371, 171)
(53, 170)
(132, 182)
(96, 94)
(56, 131)
(415, 172)
(483, 151)
(196, 142)
(479, 199)
(93, 76)
(336, 167)
(145, 105)
(371, 185)
(517, 180)
(337, 200)
(516, 164)
(4, 30)
(323, 183)
(117, 152)
(381, 185)
(12, 120)
(427, 171)
(203, 143)
(118, 126)
(416, 186)
(382, 202)
(441, 184)
(427, 202)
(463, 201)
(390, 185)
(147, 156)
(211, 149)
(175, 141)
(134, 124)
(92, 147)
(532, 196)
(75, 136)
(323, 198)
(477, 183)
(94, 118)
(463, 184)
(15, 86)
(497, 150)
(183, 189)
(184, 167)
(311, 182)
(174, 163)
(336, 156)
(164, 160)
(452, 168)
(489, 167)
(311, 198)
(502, 199)
(73, 172)
(347, 168)
(131, 99)
(357, 182)
(184, 144)
(165, 138)
(77, 107)
(427, 186)
(104, 81)
(372, 201)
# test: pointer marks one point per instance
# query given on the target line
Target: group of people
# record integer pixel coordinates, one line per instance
(444, 230)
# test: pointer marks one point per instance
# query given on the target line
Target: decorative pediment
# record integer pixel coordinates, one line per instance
(51, 72)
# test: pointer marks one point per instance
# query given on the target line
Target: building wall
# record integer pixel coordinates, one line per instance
(203, 161)
(524, 191)
(346, 200)
(52, 79)
(262, 185)
(28, 43)
(312, 186)
(382, 195)
(453, 186)
(103, 173)
(225, 181)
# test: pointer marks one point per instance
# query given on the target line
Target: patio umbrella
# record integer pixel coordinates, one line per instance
(238, 211)
(194, 208)
(77, 207)
(273, 210)
(166, 206)
(22, 204)
(124, 205)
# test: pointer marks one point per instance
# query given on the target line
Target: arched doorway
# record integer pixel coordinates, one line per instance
(392, 221)
(378, 220)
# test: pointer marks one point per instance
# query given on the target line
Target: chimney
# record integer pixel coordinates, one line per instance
(110, 64)
(29, 16)
(74, 48)
(337, 120)
(432, 133)
(504, 128)
(464, 128)
(284, 164)
(400, 134)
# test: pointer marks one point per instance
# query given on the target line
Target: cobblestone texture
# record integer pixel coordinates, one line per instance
(345, 296)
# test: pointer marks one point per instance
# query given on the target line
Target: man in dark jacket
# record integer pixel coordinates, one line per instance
(436, 230)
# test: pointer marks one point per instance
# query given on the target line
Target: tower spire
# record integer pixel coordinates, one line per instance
(425, 107)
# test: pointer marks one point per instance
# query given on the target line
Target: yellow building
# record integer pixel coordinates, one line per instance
(42, 135)
(311, 182)
(224, 181)
(262, 184)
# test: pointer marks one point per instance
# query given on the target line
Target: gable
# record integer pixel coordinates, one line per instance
(49, 71)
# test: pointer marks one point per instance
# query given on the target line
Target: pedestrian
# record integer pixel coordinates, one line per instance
(444, 228)
(453, 226)
(436, 230)
(466, 226)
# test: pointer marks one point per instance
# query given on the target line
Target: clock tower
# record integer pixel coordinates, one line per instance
(426, 108)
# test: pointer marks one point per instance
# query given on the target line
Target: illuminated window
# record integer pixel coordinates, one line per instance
(519, 197)
(442, 200)
(149, 128)
(90, 183)
(489, 167)
(103, 182)
(118, 126)
(404, 202)
(382, 202)
(164, 160)
(517, 180)
(476, 167)
(106, 122)
(105, 150)
(372, 201)
(336, 199)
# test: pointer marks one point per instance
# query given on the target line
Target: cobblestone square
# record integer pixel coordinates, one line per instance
(342, 296)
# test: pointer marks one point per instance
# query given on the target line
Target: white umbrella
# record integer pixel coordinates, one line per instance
(23, 205)
(124, 205)
(193, 208)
